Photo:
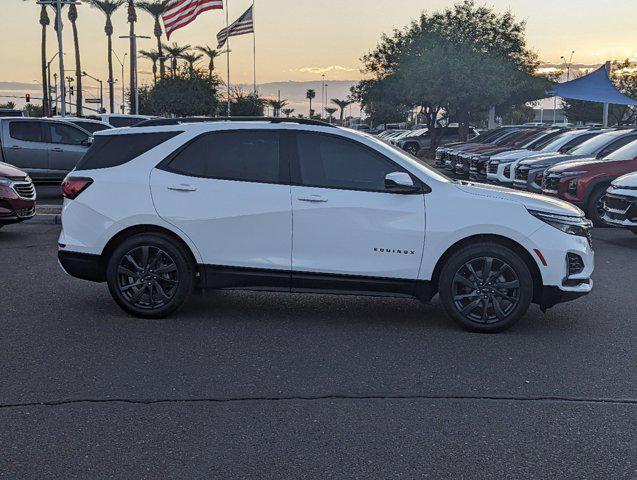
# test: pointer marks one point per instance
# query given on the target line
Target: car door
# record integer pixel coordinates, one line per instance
(345, 220)
(24, 146)
(229, 192)
(68, 144)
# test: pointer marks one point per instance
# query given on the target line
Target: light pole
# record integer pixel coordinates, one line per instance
(135, 95)
(121, 62)
(70, 90)
(84, 74)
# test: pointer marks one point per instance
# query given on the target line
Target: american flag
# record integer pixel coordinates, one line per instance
(180, 13)
(242, 25)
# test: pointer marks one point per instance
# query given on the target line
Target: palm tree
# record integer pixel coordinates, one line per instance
(155, 9)
(78, 62)
(342, 104)
(175, 52)
(108, 7)
(153, 56)
(310, 94)
(287, 112)
(330, 111)
(132, 18)
(211, 53)
(277, 105)
(44, 22)
(191, 59)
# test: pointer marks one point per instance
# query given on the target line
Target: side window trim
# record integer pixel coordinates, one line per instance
(295, 167)
(284, 160)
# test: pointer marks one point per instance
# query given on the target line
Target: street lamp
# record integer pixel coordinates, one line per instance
(134, 93)
(84, 74)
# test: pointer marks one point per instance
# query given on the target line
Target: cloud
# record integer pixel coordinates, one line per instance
(322, 70)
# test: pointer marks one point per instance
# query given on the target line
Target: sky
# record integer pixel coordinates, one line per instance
(299, 40)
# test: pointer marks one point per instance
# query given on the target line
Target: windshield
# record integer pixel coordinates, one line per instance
(558, 142)
(627, 152)
(595, 144)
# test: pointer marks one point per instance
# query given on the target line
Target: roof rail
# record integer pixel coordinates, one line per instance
(158, 122)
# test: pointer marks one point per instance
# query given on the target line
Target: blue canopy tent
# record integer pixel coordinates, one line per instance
(594, 87)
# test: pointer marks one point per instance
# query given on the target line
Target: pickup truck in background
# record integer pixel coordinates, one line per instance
(46, 149)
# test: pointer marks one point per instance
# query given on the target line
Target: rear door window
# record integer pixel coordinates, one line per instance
(242, 155)
(26, 131)
(66, 134)
(113, 150)
(124, 121)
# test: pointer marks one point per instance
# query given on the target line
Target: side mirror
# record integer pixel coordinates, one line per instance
(88, 142)
(400, 182)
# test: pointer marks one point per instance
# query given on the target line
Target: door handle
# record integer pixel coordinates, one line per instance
(313, 199)
(182, 188)
(15, 147)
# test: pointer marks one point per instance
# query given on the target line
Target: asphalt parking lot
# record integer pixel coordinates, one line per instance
(261, 385)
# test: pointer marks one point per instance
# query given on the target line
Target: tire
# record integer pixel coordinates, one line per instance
(464, 291)
(150, 275)
(593, 211)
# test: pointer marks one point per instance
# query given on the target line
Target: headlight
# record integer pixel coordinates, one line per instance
(579, 226)
(5, 181)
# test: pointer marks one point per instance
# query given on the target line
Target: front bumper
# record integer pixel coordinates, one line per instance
(620, 208)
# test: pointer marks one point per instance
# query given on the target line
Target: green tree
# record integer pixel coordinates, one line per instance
(211, 53)
(246, 104)
(451, 65)
(175, 52)
(342, 105)
(184, 95)
(191, 59)
(154, 57)
(34, 111)
(132, 19)
(44, 23)
(155, 9)
(287, 112)
(277, 105)
(330, 112)
(310, 94)
(8, 105)
(108, 8)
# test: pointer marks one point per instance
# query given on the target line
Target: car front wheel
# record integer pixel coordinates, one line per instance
(412, 148)
(149, 275)
(595, 211)
(486, 287)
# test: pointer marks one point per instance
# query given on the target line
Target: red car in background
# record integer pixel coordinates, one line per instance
(17, 195)
(584, 183)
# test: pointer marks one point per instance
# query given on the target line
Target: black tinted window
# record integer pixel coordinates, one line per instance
(26, 131)
(250, 156)
(112, 150)
(333, 162)
(124, 121)
(66, 134)
(577, 140)
(91, 127)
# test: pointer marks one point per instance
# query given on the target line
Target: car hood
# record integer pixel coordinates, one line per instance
(529, 200)
(552, 159)
(627, 181)
(577, 165)
(7, 170)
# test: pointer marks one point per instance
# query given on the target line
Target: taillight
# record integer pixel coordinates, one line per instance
(73, 186)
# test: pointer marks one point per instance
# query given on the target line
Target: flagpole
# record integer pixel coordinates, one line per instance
(254, 49)
(228, 56)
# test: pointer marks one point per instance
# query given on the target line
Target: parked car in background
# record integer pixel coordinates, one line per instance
(406, 134)
(88, 124)
(584, 183)
(17, 195)
(620, 203)
(443, 153)
(529, 173)
(502, 166)
(120, 120)
(190, 197)
(479, 162)
(13, 112)
(46, 149)
(422, 140)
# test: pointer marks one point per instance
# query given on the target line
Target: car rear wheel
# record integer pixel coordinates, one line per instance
(150, 276)
(595, 210)
(486, 287)
(412, 148)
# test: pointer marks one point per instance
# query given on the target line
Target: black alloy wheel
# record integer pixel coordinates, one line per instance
(486, 290)
(147, 277)
(412, 148)
(150, 275)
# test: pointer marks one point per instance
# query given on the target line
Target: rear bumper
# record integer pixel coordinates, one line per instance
(82, 265)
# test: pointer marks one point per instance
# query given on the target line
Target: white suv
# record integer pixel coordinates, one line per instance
(300, 206)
